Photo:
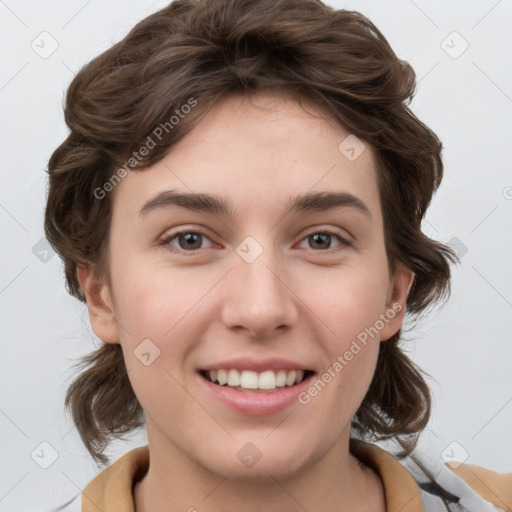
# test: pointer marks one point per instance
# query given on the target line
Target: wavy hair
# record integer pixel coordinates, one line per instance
(206, 49)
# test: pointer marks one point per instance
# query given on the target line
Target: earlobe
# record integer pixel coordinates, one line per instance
(99, 305)
(396, 307)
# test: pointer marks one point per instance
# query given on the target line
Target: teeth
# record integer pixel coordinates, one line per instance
(281, 378)
(248, 379)
(222, 377)
(267, 380)
(290, 378)
(233, 378)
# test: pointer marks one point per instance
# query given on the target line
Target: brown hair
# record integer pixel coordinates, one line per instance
(201, 50)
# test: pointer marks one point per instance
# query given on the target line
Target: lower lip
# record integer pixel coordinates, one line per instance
(257, 403)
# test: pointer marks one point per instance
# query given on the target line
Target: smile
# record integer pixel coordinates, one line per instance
(256, 401)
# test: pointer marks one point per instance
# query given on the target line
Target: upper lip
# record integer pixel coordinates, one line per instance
(245, 363)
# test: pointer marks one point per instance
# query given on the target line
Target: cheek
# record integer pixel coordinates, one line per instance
(349, 304)
(157, 331)
(153, 301)
(343, 382)
(165, 314)
(348, 300)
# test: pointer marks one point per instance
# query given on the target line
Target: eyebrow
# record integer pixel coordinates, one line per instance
(311, 201)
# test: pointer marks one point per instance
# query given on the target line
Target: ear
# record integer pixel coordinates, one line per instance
(394, 314)
(99, 304)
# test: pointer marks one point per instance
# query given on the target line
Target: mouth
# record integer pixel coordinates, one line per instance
(250, 381)
(256, 388)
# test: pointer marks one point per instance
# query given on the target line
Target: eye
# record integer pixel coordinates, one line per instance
(190, 241)
(322, 240)
(186, 241)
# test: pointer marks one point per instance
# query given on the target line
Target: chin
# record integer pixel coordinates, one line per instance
(256, 466)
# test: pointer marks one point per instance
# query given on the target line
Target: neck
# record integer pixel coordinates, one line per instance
(336, 482)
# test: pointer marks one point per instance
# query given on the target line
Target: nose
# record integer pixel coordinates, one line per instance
(259, 299)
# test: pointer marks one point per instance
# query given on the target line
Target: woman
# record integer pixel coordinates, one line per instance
(239, 203)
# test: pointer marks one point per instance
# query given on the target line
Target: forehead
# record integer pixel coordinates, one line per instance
(258, 151)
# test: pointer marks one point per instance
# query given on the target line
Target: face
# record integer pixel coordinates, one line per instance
(281, 270)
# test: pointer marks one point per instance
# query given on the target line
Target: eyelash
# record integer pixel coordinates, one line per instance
(166, 241)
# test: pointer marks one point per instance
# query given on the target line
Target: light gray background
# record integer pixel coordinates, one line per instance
(466, 347)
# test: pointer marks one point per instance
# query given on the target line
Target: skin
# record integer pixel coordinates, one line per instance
(298, 300)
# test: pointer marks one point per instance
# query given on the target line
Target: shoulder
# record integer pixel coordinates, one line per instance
(458, 485)
(424, 482)
(493, 487)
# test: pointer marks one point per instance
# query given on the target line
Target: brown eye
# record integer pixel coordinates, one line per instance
(187, 241)
(323, 241)
(320, 241)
